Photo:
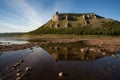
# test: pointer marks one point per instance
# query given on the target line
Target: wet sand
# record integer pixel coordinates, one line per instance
(109, 45)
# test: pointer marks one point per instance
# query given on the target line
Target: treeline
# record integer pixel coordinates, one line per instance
(106, 29)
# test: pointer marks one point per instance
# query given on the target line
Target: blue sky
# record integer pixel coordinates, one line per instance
(27, 15)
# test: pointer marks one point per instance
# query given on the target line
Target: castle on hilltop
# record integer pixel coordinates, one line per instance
(58, 16)
(65, 20)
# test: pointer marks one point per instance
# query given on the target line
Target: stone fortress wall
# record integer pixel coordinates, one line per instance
(58, 16)
(85, 17)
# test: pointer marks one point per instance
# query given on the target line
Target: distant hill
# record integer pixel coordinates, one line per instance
(3, 35)
(79, 23)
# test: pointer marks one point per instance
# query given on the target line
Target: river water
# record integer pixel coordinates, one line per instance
(48, 61)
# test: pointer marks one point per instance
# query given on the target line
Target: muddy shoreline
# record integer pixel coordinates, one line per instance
(108, 45)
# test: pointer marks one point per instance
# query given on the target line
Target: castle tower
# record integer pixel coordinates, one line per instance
(66, 24)
(88, 16)
(85, 23)
(56, 17)
(95, 16)
(83, 16)
(66, 17)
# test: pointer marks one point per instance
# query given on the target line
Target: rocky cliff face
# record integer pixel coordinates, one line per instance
(66, 20)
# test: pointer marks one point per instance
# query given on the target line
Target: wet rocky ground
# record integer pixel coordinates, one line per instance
(68, 59)
(105, 45)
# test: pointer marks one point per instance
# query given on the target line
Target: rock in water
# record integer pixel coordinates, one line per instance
(60, 74)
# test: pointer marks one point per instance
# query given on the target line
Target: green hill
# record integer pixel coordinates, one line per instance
(79, 23)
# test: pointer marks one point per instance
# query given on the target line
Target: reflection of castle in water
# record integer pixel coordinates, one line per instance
(75, 53)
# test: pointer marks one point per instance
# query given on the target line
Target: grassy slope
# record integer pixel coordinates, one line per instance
(57, 36)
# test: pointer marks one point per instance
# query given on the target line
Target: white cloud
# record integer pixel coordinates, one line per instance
(28, 11)
(29, 17)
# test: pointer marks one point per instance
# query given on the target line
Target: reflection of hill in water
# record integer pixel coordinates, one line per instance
(75, 51)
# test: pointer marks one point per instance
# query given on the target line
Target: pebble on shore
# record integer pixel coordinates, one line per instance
(60, 74)
(28, 68)
(113, 55)
(18, 74)
(18, 78)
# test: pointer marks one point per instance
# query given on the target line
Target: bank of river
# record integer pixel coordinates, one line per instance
(108, 45)
(76, 59)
